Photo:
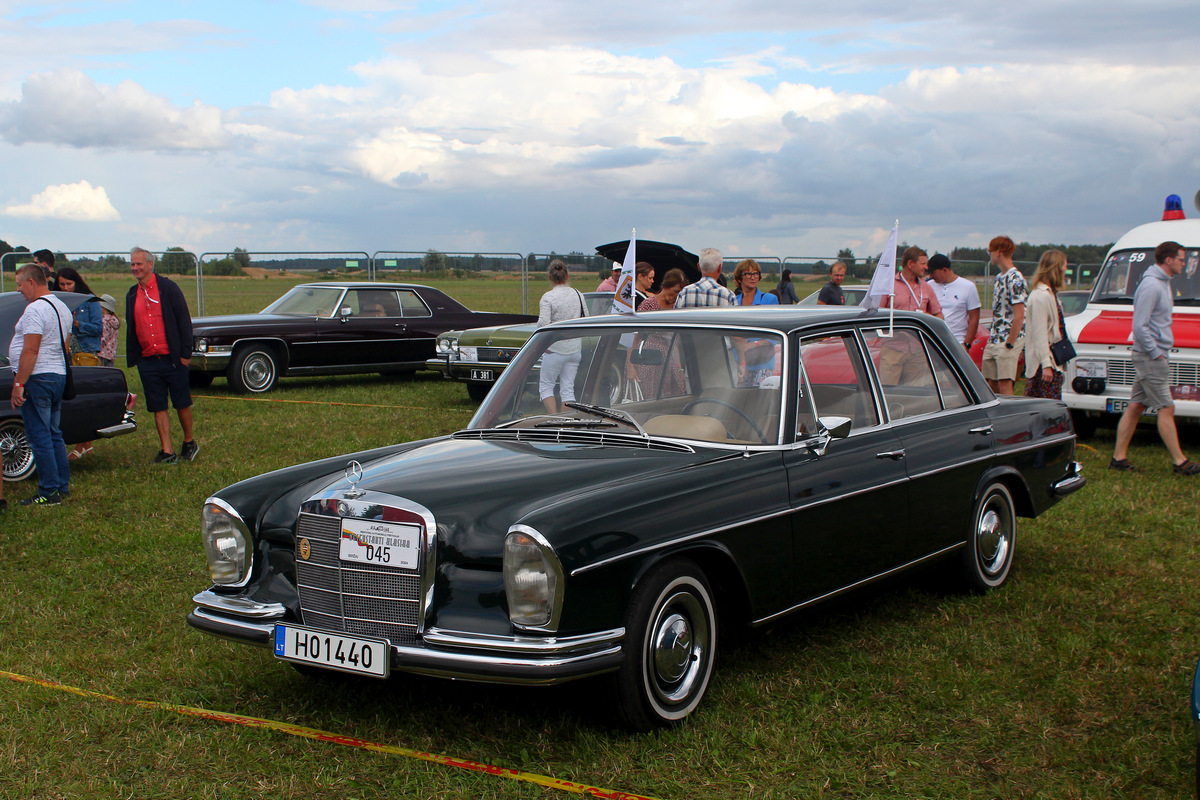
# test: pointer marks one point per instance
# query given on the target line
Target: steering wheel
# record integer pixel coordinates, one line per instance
(762, 437)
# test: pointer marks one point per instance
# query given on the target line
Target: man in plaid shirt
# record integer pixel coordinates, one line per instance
(706, 292)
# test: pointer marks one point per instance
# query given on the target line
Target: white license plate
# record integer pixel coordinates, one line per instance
(1117, 406)
(388, 544)
(333, 650)
(482, 375)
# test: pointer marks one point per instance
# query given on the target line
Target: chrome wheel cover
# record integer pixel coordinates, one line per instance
(258, 371)
(994, 535)
(16, 452)
(678, 648)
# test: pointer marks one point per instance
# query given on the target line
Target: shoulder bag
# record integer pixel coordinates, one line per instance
(1062, 351)
(69, 386)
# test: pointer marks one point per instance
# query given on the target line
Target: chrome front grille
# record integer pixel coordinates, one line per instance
(500, 355)
(1120, 373)
(368, 600)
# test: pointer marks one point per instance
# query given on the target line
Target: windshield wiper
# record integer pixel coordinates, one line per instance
(1112, 298)
(608, 413)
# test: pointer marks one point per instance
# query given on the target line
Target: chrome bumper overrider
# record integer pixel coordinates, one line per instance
(1073, 482)
(451, 654)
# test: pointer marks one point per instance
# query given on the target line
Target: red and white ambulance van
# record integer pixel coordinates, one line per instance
(1098, 381)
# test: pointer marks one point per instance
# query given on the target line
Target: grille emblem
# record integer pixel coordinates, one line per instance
(304, 548)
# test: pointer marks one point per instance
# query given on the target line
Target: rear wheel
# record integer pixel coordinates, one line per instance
(1085, 426)
(15, 450)
(254, 370)
(670, 647)
(992, 541)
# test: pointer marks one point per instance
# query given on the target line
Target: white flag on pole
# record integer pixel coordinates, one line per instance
(623, 300)
(883, 283)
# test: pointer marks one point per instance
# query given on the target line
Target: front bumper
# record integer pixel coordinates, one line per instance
(442, 653)
(209, 362)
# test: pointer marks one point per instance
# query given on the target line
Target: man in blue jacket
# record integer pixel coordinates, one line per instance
(158, 341)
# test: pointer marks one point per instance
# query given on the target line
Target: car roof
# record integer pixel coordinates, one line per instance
(781, 318)
(1152, 234)
(363, 285)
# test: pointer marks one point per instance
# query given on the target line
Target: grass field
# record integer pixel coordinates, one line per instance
(1070, 682)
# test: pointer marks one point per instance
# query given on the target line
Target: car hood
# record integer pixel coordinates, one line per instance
(244, 320)
(561, 489)
(498, 336)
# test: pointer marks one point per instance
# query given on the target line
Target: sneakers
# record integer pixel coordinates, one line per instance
(52, 499)
(1188, 467)
(164, 457)
(1122, 465)
(189, 450)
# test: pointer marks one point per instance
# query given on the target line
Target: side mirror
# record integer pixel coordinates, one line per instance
(836, 427)
(345, 312)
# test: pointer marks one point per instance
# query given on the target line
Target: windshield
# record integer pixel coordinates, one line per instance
(308, 301)
(703, 384)
(1124, 270)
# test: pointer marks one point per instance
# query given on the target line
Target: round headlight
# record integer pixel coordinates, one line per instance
(226, 544)
(532, 580)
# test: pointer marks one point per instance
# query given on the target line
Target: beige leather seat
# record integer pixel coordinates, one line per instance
(687, 426)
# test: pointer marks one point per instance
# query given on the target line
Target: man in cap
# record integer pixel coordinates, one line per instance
(609, 284)
(958, 297)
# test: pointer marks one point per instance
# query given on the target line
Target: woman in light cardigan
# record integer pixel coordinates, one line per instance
(1044, 378)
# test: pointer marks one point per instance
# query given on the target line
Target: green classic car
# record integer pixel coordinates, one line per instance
(478, 356)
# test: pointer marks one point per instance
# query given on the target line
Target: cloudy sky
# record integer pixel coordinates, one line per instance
(762, 128)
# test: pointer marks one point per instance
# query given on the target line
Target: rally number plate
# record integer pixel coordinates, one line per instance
(389, 544)
(355, 654)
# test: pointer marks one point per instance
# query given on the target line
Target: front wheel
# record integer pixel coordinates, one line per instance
(198, 380)
(15, 450)
(478, 390)
(670, 647)
(254, 370)
(992, 539)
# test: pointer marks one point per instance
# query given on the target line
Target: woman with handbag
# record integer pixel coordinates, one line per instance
(88, 324)
(1043, 327)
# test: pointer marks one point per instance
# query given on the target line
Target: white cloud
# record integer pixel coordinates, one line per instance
(78, 202)
(66, 107)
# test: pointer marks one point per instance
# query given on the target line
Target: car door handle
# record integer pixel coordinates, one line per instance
(982, 430)
(894, 455)
(401, 326)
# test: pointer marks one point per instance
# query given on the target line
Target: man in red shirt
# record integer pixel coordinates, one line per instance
(158, 341)
(902, 360)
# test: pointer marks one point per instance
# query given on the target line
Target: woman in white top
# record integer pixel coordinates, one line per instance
(560, 362)
(1044, 378)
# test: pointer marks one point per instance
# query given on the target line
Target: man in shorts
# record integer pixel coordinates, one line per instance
(1007, 341)
(1152, 342)
(158, 341)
